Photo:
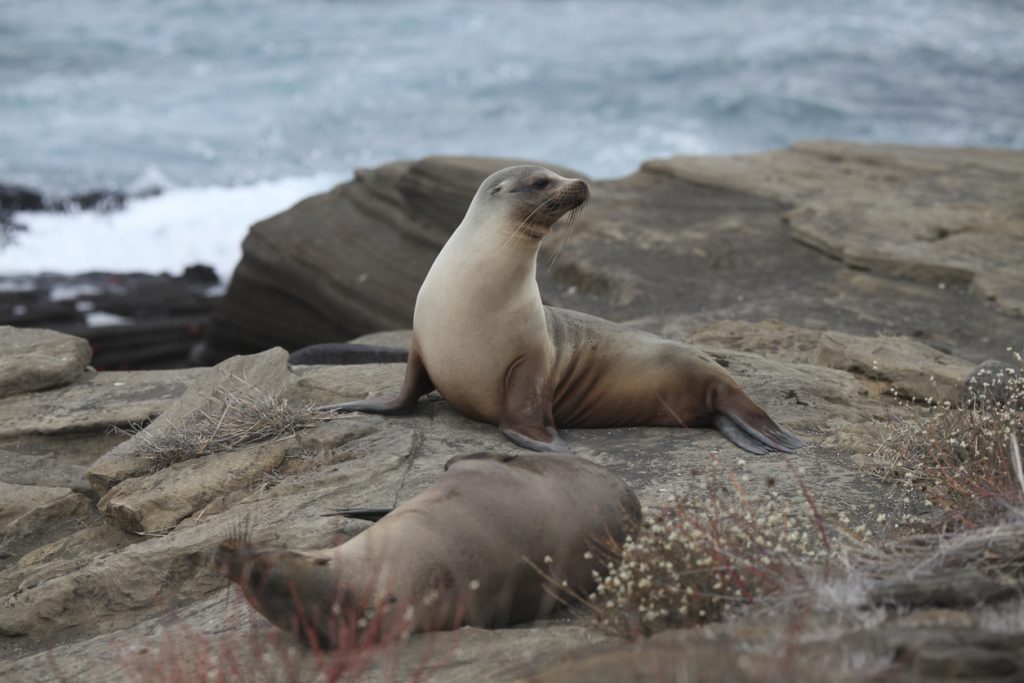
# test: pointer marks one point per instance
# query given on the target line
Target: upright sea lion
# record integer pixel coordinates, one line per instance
(484, 340)
(465, 551)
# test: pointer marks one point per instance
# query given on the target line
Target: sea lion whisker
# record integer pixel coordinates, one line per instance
(570, 225)
(521, 227)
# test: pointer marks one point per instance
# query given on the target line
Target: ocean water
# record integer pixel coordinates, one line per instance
(236, 107)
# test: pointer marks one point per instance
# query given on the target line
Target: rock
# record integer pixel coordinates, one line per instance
(33, 515)
(24, 509)
(915, 370)
(266, 372)
(33, 360)
(700, 238)
(349, 261)
(158, 502)
(95, 403)
(36, 471)
(956, 215)
(708, 261)
(131, 320)
(772, 338)
(362, 460)
(813, 647)
(18, 198)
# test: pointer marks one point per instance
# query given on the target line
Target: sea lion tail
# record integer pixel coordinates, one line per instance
(745, 424)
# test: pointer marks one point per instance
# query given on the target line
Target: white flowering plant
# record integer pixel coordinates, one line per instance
(961, 458)
(701, 557)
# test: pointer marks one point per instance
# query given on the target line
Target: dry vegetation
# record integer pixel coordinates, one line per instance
(701, 557)
(705, 556)
(230, 420)
(961, 457)
(710, 555)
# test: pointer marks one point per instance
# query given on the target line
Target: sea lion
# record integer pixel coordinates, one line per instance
(468, 550)
(484, 340)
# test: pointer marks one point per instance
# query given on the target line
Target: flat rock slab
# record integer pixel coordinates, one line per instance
(23, 509)
(930, 214)
(224, 624)
(31, 360)
(908, 368)
(94, 403)
(156, 503)
(913, 369)
(264, 374)
(281, 490)
(928, 646)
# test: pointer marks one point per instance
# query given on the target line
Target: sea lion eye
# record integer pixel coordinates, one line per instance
(541, 183)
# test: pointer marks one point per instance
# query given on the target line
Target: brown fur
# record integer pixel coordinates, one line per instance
(483, 339)
(465, 551)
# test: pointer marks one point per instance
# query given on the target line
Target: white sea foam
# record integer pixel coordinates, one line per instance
(165, 233)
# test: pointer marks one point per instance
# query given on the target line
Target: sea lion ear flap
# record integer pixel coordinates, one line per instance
(483, 455)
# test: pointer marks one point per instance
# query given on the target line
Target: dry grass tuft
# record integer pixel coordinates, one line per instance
(702, 557)
(996, 551)
(961, 458)
(230, 420)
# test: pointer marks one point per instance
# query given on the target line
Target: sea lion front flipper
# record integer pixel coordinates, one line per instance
(526, 417)
(416, 383)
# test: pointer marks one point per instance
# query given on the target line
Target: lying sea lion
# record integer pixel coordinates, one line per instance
(484, 340)
(488, 544)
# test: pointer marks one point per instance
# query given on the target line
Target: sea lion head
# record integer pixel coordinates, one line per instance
(530, 198)
(288, 588)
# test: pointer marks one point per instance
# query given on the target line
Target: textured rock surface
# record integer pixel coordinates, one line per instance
(768, 236)
(31, 360)
(915, 370)
(708, 258)
(934, 645)
(267, 372)
(942, 216)
(366, 460)
(348, 261)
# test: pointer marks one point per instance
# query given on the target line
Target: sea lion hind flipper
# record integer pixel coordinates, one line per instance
(744, 423)
(416, 383)
(733, 432)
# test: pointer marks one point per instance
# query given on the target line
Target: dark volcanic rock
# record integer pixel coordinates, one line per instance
(17, 198)
(132, 320)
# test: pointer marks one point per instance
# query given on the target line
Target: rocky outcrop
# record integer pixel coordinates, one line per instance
(150, 551)
(905, 367)
(858, 239)
(348, 261)
(108, 569)
(935, 215)
(39, 359)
